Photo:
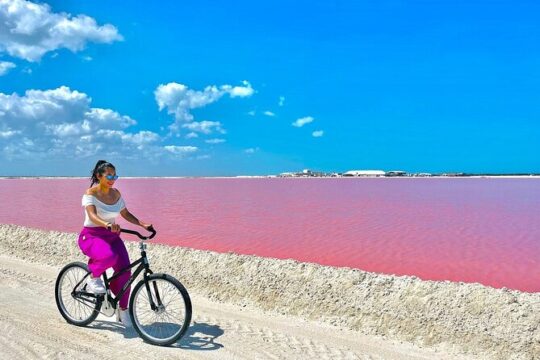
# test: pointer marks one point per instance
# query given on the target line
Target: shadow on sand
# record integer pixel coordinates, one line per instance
(199, 336)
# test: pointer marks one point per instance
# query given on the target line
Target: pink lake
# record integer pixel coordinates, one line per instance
(482, 230)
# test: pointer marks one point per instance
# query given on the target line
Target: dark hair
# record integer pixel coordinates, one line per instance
(100, 169)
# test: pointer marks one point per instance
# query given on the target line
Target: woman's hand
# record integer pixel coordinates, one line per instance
(115, 228)
(145, 225)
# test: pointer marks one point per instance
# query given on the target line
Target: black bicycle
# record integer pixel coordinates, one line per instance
(159, 305)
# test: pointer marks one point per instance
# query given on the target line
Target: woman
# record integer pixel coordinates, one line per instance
(104, 247)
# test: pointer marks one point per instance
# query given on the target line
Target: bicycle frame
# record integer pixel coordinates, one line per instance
(143, 265)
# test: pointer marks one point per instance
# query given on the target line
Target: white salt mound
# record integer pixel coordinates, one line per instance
(469, 318)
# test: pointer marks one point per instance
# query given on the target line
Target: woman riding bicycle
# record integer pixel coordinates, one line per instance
(104, 247)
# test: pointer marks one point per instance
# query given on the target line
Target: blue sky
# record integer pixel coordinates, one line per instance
(398, 85)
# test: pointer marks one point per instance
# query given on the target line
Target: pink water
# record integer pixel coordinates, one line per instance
(460, 229)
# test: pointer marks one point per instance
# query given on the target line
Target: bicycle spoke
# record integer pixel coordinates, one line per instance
(168, 319)
(76, 309)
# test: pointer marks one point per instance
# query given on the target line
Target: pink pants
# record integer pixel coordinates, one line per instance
(106, 249)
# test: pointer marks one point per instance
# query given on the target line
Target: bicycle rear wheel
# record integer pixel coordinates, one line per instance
(77, 310)
(170, 319)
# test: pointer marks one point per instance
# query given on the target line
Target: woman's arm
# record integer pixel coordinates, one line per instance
(132, 219)
(92, 214)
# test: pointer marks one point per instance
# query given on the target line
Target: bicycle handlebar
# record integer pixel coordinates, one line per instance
(151, 229)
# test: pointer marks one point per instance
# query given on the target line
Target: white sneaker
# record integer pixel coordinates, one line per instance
(122, 316)
(95, 286)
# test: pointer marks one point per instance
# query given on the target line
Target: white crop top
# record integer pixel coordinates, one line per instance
(104, 211)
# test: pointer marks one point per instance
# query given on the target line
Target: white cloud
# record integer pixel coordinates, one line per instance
(107, 117)
(302, 121)
(281, 101)
(179, 100)
(239, 91)
(214, 141)
(269, 113)
(8, 134)
(205, 127)
(317, 133)
(5, 66)
(192, 135)
(29, 30)
(43, 124)
(251, 150)
(251, 113)
(181, 150)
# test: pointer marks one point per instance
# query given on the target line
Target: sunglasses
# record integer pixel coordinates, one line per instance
(111, 177)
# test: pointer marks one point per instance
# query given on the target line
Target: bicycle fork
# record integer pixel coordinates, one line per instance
(153, 305)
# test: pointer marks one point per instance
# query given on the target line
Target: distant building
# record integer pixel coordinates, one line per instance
(305, 173)
(395, 173)
(370, 173)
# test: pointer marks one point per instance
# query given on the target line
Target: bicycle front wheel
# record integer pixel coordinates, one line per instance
(169, 320)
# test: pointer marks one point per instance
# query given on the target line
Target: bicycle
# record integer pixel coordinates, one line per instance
(159, 306)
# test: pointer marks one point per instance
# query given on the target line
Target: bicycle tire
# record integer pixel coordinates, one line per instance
(134, 311)
(61, 299)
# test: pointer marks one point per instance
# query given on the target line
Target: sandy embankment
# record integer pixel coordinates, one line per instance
(455, 318)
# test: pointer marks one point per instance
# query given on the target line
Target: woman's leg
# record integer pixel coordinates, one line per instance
(122, 261)
(101, 255)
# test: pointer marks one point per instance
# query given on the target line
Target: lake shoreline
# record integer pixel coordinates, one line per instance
(286, 177)
(453, 317)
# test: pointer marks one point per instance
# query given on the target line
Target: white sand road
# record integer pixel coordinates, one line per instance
(32, 328)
